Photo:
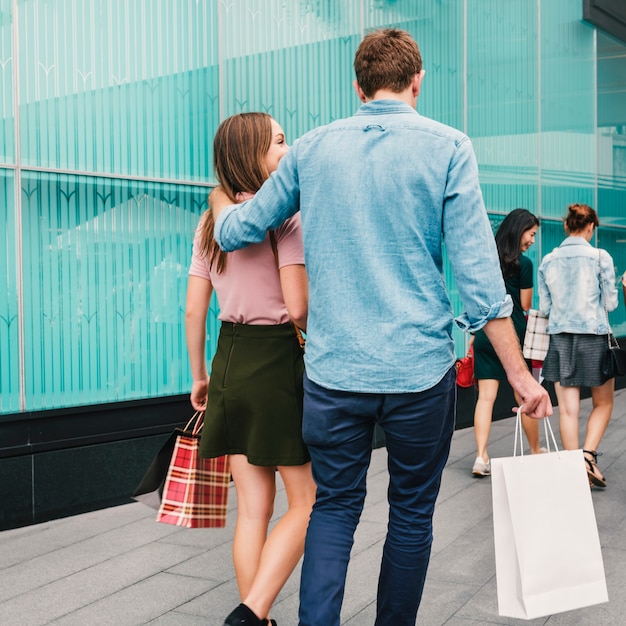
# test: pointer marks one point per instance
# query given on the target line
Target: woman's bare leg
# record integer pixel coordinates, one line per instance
(599, 418)
(569, 409)
(602, 400)
(483, 414)
(256, 488)
(285, 543)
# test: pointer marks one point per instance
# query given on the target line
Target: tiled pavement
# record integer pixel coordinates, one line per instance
(119, 567)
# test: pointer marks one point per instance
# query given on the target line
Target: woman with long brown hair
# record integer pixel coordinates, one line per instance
(253, 398)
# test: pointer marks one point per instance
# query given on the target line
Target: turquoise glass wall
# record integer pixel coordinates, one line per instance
(118, 86)
(107, 113)
(7, 122)
(104, 287)
(9, 309)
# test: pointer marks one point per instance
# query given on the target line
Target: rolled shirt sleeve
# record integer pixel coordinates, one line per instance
(474, 259)
(500, 309)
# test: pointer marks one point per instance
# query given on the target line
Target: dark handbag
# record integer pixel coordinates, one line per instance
(614, 360)
(150, 489)
(465, 369)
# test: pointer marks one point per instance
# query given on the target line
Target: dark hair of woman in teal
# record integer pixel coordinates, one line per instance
(509, 239)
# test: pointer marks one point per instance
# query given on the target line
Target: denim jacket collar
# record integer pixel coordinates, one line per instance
(574, 240)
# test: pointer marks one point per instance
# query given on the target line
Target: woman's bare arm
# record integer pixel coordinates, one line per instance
(199, 292)
(295, 286)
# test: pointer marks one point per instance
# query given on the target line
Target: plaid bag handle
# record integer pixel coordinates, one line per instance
(194, 425)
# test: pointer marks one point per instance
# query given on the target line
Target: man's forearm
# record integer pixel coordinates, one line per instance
(503, 338)
(533, 396)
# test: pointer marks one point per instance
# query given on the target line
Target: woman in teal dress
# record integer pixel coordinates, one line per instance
(515, 235)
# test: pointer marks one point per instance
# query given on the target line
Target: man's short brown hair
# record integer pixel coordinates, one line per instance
(387, 59)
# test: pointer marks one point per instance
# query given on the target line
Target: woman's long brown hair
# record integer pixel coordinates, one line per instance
(239, 149)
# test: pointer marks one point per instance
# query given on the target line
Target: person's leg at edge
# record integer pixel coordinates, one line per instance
(418, 429)
(483, 413)
(599, 418)
(338, 429)
(569, 408)
(256, 488)
(285, 543)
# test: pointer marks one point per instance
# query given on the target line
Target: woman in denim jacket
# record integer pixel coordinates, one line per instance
(576, 290)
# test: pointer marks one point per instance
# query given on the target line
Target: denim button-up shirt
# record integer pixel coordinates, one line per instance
(379, 194)
(569, 282)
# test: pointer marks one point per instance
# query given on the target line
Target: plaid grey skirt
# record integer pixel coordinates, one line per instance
(575, 360)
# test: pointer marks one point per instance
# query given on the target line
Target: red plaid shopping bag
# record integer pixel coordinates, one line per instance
(195, 493)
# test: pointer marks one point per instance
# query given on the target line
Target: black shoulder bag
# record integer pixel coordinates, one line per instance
(614, 360)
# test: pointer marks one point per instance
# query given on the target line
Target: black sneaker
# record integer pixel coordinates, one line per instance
(243, 616)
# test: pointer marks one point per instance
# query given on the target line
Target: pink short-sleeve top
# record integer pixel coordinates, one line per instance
(248, 290)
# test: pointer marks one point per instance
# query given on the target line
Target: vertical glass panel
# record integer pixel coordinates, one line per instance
(611, 130)
(552, 234)
(291, 60)
(119, 87)
(613, 240)
(502, 100)
(105, 288)
(568, 133)
(437, 26)
(7, 135)
(9, 333)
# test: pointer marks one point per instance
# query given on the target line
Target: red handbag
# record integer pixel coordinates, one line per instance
(465, 369)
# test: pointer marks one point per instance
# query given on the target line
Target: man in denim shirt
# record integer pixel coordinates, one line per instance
(379, 194)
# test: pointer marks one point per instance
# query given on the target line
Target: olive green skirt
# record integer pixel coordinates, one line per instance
(255, 396)
(486, 362)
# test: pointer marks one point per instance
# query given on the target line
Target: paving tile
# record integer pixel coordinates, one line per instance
(70, 593)
(119, 567)
(78, 556)
(136, 604)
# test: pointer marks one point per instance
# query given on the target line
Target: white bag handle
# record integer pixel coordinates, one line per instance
(518, 433)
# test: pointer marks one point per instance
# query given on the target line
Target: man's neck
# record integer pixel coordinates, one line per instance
(405, 96)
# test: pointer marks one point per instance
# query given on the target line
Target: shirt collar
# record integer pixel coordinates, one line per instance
(377, 107)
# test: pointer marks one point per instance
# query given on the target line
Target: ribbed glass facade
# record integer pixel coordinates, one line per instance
(107, 114)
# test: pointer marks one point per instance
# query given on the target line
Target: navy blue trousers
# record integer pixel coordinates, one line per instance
(338, 427)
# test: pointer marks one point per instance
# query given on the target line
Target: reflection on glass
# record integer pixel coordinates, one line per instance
(9, 332)
(119, 87)
(137, 89)
(7, 133)
(104, 294)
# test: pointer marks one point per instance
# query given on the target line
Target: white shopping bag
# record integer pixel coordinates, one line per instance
(548, 556)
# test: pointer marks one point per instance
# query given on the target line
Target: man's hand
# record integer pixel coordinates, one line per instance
(534, 397)
(218, 201)
(503, 338)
